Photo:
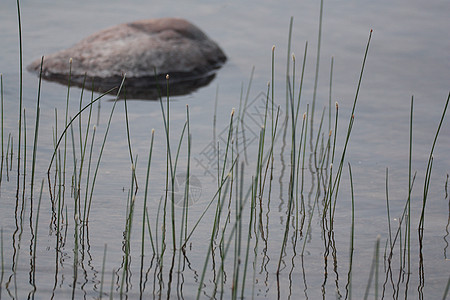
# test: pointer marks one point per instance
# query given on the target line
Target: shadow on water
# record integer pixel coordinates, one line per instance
(142, 88)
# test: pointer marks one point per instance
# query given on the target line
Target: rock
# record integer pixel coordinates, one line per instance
(140, 50)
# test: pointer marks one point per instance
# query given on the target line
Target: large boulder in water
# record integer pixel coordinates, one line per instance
(146, 51)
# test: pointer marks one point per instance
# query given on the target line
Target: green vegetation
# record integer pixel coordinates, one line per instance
(242, 248)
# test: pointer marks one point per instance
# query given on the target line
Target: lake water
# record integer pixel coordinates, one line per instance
(408, 55)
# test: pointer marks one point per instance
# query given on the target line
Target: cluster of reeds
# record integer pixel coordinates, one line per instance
(237, 247)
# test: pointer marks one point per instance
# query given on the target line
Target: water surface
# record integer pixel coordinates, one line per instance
(408, 56)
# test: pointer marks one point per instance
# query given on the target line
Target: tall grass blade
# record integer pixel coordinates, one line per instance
(63, 134)
(36, 226)
(144, 214)
(316, 77)
(348, 287)
(428, 172)
(36, 131)
(25, 156)
(20, 97)
(350, 125)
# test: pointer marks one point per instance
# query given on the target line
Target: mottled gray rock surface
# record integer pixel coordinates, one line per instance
(139, 49)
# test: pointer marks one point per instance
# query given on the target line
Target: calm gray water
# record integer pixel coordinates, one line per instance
(408, 56)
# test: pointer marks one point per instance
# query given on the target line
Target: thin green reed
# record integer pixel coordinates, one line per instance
(166, 118)
(172, 172)
(429, 167)
(288, 64)
(316, 77)
(335, 131)
(147, 219)
(128, 227)
(36, 226)
(187, 185)
(54, 134)
(264, 126)
(10, 142)
(65, 136)
(329, 191)
(11, 152)
(104, 138)
(75, 190)
(319, 132)
(425, 197)
(348, 287)
(158, 213)
(185, 199)
(36, 130)
(58, 179)
(24, 154)
(134, 189)
(144, 211)
(350, 125)
(60, 166)
(303, 136)
(387, 206)
(185, 209)
(75, 214)
(80, 119)
(260, 164)
(20, 96)
(83, 146)
(298, 212)
(87, 205)
(301, 82)
(293, 136)
(408, 235)
(128, 130)
(329, 117)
